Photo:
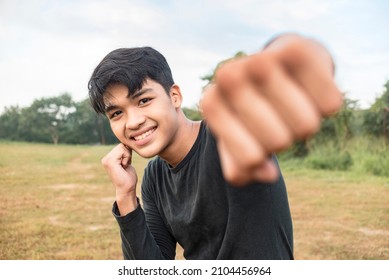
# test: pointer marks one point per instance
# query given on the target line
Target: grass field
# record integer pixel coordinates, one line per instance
(56, 204)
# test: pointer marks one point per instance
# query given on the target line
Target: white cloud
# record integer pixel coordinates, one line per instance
(48, 47)
(279, 15)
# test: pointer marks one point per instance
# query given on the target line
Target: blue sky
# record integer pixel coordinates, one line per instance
(51, 47)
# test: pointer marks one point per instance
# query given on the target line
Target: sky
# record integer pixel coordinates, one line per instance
(51, 47)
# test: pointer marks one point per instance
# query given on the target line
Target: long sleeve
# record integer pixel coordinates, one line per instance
(141, 241)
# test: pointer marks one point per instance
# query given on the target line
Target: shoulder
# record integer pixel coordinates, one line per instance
(152, 172)
(205, 133)
(153, 166)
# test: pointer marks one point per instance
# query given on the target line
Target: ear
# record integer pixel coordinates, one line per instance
(176, 96)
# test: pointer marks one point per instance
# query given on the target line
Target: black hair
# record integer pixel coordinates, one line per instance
(129, 67)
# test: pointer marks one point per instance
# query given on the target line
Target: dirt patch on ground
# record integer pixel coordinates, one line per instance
(79, 158)
(108, 199)
(54, 220)
(96, 227)
(368, 231)
(71, 186)
(65, 186)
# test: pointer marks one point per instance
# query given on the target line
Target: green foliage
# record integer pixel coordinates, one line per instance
(61, 120)
(45, 118)
(300, 149)
(85, 126)
(9, 123)
(192, 114)
(341, 126)
(377, 165)
(56, 120)
(363, 155)
(376, 119)
(332, 161)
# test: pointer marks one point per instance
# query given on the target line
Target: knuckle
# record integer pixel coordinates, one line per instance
(253, 159)
(296, 46)
(207, 101)
(230, 75)
(104, 161)
(333, 105)
(250, 163)
(234, 177)
(280, 142)
(308, 128)
(232, 170)
(261, 67)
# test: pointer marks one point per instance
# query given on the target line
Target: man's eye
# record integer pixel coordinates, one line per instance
(115, 114)
(144, 101)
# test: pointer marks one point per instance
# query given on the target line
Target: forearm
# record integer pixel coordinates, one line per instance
(137, 241)
(126, 203)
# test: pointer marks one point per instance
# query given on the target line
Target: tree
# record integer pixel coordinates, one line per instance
(340, 127)
(56, 119)
(44, 119)
(84, 126)
(193, 114)
(376, 119)
(9, 123)
(80, 127)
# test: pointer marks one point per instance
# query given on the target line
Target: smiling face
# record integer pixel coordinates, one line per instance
(146, 121)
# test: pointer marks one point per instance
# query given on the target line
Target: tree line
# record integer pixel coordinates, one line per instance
(60, 119)
(56, 119)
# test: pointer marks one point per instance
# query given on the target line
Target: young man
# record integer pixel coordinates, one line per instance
(214, 187)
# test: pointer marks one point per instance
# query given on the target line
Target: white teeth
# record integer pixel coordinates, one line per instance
(144, 135)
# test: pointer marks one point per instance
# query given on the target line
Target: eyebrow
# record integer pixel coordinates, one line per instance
(139, 93)
(111, 107)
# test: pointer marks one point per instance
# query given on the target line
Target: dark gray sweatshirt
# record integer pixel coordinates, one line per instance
(193, 205)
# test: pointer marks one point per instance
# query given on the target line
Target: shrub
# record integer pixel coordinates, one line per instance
(331, 161)
(377, 165)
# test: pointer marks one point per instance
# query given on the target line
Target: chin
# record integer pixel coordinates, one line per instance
(146, 154)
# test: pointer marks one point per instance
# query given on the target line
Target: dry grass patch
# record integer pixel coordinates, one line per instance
(336, 218)
(56, 204)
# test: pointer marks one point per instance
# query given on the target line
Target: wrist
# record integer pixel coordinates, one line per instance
(126, 202)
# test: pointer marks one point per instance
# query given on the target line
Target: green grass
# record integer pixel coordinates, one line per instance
(56, 204)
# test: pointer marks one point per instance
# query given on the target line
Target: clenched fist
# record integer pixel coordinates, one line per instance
(262, 103)
(117, 163)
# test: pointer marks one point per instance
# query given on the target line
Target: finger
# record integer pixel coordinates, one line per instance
(237, 176)
(312, 66)
(289, 100)
(266, 172)
(126, 156)
(252, 108)
(245, 150)
(113, 157)
(231, 171)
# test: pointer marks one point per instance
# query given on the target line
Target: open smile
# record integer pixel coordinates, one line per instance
(144, 135)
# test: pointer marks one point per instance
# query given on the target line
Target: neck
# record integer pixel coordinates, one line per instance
(182, 142)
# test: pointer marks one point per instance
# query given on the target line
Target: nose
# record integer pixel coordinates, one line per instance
(135, 119)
